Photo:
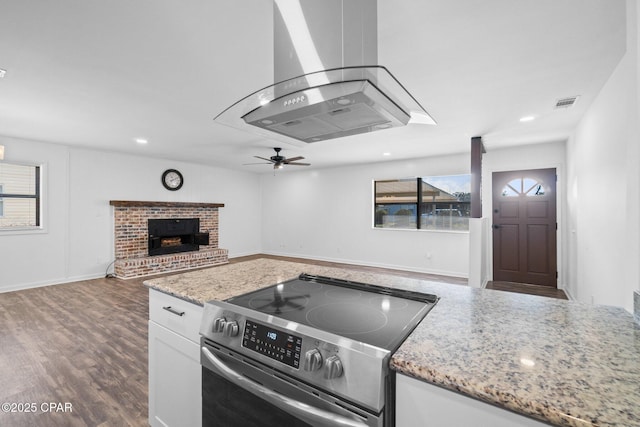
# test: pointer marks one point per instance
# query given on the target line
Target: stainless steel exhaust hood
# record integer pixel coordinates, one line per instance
(327, 87)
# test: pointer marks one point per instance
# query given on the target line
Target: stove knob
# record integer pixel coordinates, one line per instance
(231, 328)
(218, 324)
(332, 368)
(312, 360)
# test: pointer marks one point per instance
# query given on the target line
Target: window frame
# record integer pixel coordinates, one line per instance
(418, 205)
(38, 197)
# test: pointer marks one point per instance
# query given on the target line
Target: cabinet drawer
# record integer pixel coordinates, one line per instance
(175, 314)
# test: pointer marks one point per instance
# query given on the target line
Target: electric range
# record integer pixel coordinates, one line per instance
(315, 348)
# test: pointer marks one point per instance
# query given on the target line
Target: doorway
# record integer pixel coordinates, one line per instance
(524, 227)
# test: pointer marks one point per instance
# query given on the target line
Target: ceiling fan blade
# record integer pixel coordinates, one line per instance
(261, 163)
(262, 158)
(293, 159)
(299, 164)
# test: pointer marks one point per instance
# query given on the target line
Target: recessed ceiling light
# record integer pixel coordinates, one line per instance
(141, 141)
(386, 154)
(527, 118)
(2, 73)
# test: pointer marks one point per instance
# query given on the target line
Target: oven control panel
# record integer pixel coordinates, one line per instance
(273, 343)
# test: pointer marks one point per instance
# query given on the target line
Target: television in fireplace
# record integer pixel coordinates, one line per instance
(168, 236)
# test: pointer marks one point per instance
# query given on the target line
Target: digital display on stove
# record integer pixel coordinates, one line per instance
(273, 343)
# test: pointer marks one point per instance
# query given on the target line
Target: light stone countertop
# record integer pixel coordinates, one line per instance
(565, 363)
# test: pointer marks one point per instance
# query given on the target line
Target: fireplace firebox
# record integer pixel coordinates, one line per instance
(168, 236)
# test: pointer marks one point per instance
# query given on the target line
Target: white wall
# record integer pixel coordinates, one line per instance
(603, 182)
(327, 214)
(479, 256)
(77, 241)
(40, 257)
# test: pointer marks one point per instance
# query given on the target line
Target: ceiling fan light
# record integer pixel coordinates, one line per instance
(279, 162)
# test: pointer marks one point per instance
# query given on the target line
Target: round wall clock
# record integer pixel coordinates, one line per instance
(172, 179)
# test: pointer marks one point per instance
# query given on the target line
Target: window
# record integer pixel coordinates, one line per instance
(426, 203)
(523, 186)
(19, 196)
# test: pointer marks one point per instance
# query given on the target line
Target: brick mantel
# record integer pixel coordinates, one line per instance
(131, 237)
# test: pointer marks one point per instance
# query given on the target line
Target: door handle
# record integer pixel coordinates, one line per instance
(496, 226)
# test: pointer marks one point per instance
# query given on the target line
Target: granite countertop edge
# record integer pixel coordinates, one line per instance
(168, 291)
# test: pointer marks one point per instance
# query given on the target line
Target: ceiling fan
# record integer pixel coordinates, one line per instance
(279, 161)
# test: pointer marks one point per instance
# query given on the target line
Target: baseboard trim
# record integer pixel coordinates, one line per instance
(60, 281)
(568, 294)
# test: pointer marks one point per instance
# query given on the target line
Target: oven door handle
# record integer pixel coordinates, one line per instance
(302, 410)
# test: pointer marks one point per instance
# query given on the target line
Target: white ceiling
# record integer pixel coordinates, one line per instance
(99, 74)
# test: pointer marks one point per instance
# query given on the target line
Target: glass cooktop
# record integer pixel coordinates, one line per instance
(376, 315)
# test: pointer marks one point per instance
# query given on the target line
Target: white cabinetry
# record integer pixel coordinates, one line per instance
(419, 404)
(175, 376)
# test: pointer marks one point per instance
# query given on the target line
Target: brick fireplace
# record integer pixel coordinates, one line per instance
(132, 240)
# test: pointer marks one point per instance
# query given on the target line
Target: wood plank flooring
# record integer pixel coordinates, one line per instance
(523, 288)
(84, 345)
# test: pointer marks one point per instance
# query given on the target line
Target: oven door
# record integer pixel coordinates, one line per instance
(239, 392)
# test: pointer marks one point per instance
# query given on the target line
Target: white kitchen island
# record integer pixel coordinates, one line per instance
(419, 404)
(509, 357)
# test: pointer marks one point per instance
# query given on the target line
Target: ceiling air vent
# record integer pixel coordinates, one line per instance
(566, 102)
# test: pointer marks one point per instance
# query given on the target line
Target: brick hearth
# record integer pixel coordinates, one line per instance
(131, 237)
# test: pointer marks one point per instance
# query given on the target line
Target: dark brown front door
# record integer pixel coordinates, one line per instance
(524, 226)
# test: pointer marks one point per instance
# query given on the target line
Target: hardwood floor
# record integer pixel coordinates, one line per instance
(83, 346)
(523, 288)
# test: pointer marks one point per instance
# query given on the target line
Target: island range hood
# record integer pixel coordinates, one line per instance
(326, 84)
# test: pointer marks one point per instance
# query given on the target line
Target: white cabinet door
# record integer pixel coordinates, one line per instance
(419, 404)
(175, 379)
